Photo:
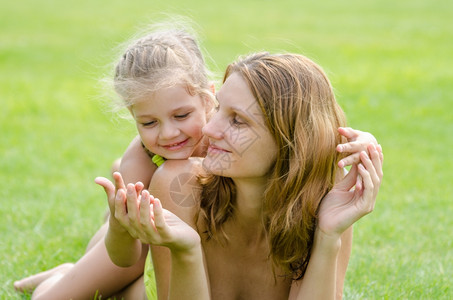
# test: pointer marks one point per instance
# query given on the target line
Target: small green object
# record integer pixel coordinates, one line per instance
(158, 160)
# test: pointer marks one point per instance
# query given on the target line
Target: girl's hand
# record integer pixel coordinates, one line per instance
(358, 141)
(146, 220)
(343, 206)
(111, 190)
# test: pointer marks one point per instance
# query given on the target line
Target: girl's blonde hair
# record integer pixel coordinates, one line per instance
(165, 57)
(303, 116)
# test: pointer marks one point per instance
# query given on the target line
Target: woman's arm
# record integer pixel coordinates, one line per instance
(179, 275)
(341, 208)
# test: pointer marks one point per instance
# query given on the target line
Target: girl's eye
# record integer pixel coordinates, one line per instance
(183, 116)
(149, 124)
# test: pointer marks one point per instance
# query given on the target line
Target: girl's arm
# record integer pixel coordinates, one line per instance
(136, 166)
(177, 254)
(339, 209)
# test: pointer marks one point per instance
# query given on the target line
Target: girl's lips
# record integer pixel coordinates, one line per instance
(175, 146)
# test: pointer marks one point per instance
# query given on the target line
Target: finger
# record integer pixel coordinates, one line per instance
(359, 184)
(349, 160)
(145, 212)
(108, 186)
(352, 147)
(348, 181)
(119, 183)
(132, 204)
(381, 153)
(159, 220)
(348, 132)
(376, 160)
(120, 207)
(370, 167)
(368, 195)
(139, 187)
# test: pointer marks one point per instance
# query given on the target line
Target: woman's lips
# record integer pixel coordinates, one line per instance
(216, 149)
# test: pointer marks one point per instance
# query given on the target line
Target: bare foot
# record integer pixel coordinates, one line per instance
(28, 284)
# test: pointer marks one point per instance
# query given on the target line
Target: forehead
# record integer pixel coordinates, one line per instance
(168, 99)
(236, 93)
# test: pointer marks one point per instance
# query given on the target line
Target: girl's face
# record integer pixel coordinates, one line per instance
(241, 146)
(169, 122)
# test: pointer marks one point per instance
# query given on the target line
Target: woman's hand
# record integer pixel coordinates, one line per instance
(145, 219)
(343, 205)
(358, 141)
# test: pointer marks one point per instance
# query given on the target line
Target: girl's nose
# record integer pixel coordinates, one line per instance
(168, 131)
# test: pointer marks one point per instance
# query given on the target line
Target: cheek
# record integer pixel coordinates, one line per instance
(195, 125)
(148, 137)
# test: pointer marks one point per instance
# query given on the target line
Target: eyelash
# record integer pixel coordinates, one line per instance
(182, 116)
(148, 124)
(179, 117)
(235, 122)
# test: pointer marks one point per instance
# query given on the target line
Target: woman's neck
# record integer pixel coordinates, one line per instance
(248, 215)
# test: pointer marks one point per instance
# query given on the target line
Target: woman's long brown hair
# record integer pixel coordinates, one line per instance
(303, 116)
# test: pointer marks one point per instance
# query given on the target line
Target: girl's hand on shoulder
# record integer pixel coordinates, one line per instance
(354, 196)
(358, 141)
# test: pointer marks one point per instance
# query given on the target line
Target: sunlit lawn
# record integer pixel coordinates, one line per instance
(390, 63)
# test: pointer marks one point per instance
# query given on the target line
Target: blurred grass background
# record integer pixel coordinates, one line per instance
(390, 63)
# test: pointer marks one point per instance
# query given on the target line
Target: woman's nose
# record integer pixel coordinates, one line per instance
(213, 128)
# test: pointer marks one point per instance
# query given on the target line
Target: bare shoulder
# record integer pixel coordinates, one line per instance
(175, 183)
(136, 165)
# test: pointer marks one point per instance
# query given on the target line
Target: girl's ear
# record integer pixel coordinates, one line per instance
(129, 108)
(212, 87)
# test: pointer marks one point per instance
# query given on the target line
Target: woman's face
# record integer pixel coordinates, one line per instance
(241, 145)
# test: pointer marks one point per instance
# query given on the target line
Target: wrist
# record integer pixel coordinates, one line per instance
(187, 255)
(328, 243)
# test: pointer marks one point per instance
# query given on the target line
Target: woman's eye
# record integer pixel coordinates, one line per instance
(183, 116)
(238, 121)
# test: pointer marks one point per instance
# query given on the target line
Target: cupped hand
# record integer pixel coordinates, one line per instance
(344, 205)
(146, 220)
(112, 190)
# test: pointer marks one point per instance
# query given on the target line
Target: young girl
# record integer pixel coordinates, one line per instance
(274, 217)
(162, 80)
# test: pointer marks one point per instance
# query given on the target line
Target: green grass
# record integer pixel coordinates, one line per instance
(390, 63)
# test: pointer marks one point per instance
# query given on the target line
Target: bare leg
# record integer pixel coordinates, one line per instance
(93, 272)
(28, 284)
(135, 290)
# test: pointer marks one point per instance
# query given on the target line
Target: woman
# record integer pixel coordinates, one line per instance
(273, 216)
